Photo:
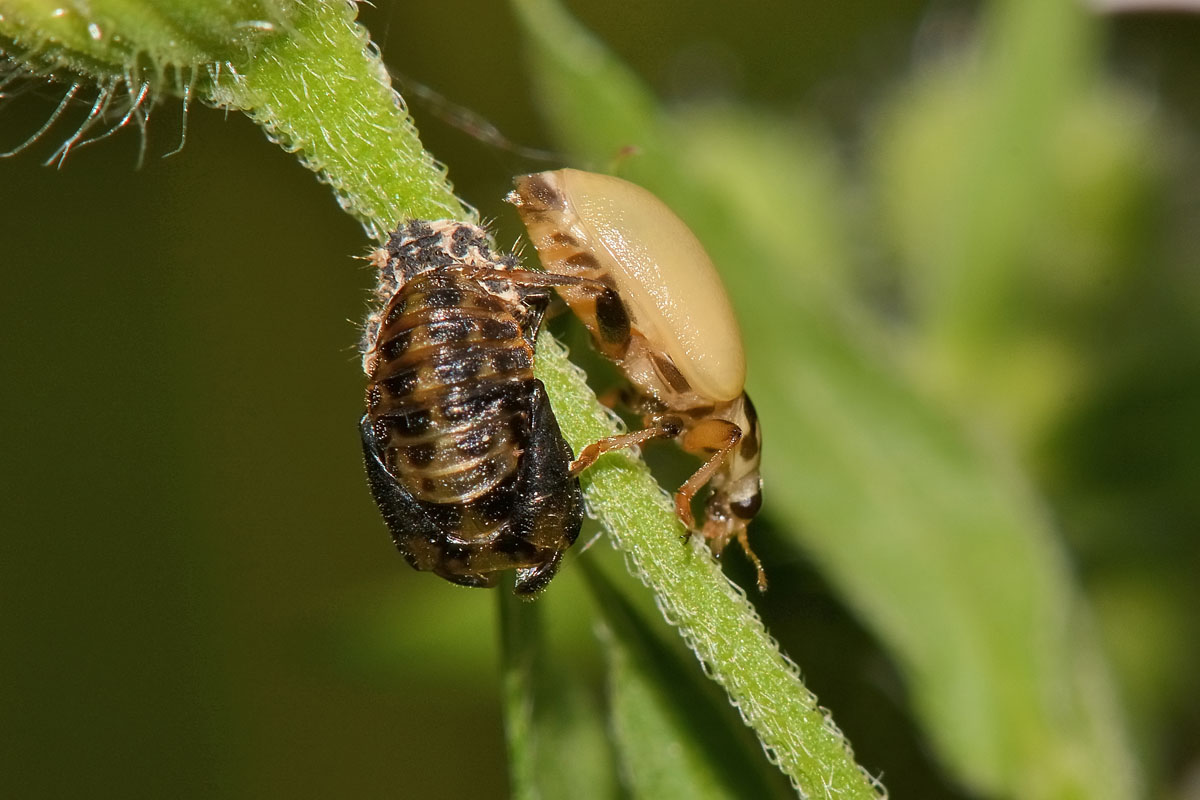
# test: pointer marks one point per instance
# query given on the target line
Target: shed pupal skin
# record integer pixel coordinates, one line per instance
(463, 454)
(656, 306)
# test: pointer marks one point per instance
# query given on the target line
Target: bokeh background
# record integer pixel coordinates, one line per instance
(197, 598)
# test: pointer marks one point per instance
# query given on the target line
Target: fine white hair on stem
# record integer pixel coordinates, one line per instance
(101, 104)
(134, 112)
(186, 95)
(68, 96)
(122, 101)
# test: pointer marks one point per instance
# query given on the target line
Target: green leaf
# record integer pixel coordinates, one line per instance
(932, 535)
(1010, 179)
(575, 75)
(557, 743)
(671, 738)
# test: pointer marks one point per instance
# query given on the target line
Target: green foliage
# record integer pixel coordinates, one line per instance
(1005, 185)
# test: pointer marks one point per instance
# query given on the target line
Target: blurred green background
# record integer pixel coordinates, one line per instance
(197, 597)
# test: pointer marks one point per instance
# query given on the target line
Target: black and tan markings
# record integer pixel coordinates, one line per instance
(639, 320)
(464, 456)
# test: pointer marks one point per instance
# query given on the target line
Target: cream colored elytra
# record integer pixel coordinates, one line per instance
(663, 275)
(655, 305)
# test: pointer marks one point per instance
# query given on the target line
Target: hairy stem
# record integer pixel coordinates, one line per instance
(712, 614)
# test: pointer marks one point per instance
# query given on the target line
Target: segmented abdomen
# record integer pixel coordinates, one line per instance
(448, 398)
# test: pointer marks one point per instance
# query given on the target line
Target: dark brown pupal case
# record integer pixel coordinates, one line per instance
(464, 456)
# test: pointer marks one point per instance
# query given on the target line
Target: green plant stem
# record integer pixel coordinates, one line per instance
(712, 614)
(520, 645)
(323, 93)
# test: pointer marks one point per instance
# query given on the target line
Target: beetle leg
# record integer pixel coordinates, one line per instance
(708, 435)
(744, 541)
(527, 277)
(721, 526)
(589, 454)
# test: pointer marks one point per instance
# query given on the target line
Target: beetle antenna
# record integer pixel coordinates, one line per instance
(468, 121)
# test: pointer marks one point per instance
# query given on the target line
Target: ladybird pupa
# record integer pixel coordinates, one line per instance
(464, 456)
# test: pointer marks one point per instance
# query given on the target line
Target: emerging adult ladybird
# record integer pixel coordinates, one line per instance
(464, 456)
(663, 316)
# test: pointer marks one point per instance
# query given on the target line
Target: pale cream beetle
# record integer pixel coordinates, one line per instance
(655, 305)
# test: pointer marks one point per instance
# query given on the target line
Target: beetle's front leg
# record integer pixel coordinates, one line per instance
(715, 438)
